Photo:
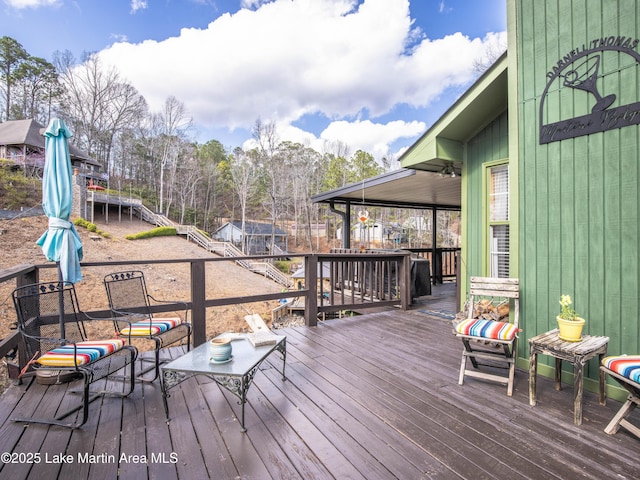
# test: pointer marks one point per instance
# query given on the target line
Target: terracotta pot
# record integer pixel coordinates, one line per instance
(570, 330)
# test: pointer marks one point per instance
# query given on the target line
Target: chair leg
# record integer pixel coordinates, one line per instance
(467, 347)
(132, 376)
(512, 375)
(84, 406)
(155, 366)
(87, 398)
(510, 352)
(463, 367)
(614, 424)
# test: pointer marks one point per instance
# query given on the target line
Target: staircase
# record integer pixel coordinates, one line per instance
(224, 249)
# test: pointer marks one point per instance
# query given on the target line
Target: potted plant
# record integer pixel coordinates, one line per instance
(569, 322)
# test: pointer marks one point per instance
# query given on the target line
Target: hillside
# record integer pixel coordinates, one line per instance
(169, 281)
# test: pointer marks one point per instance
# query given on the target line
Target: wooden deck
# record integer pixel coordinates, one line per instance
(367, 397)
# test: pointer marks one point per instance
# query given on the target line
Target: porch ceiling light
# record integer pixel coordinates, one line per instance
(448, 171)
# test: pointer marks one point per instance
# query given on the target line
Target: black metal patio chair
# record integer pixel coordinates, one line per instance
(55, 337)
(130, 302)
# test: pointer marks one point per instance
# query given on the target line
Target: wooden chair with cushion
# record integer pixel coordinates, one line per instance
(625, 369)
(490, 331)
(130, 302)
(55, 339)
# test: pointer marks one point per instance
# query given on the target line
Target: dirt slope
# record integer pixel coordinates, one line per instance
(171, 281)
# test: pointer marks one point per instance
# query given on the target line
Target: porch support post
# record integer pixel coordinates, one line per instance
(346, 222)
(434, 239)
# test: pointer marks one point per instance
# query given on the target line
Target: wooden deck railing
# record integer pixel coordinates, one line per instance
(357, 281)
(443, 262)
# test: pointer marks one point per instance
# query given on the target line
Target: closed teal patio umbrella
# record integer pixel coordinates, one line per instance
(61, 242)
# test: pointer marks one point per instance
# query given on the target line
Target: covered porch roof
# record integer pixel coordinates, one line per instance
(404, 188)
(400, 188)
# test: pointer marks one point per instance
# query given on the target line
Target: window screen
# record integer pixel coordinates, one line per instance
(499, 253)
(499, 194)
(498, 221)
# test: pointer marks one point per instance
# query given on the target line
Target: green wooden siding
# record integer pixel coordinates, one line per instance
(488, 146)
(578, 198)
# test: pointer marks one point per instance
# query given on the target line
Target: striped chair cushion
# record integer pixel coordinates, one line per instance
(626, 365)
(86, 352)
(477, 327)
(146, 328)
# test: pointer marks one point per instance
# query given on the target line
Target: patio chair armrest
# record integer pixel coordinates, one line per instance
(121, 318)
(184, 304)
(126, 320)
(60, 341)
(96, 319)
(128, 317)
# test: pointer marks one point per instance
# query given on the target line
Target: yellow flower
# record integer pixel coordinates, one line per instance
(566, 311)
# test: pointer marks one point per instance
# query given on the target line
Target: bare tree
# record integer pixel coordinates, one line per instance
(274, 170)
(211, 156)
(243, 173)
(493, 50)
(175, 123)
(98, 104)
(187, 179)
(303, 170)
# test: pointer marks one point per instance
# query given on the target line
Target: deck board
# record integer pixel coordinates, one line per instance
(372, 397)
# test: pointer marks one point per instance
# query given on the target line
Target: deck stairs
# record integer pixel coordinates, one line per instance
(225, 249)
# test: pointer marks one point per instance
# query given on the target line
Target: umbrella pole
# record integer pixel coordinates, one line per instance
(61, 300)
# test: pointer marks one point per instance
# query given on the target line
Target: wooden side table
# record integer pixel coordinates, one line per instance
(578, 353)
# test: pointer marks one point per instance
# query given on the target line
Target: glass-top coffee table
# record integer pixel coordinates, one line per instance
(235, 375)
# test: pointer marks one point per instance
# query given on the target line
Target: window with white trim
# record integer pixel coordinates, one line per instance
(499, 221)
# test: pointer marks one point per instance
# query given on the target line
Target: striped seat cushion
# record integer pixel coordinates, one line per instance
(626, 365)
(86, 352)
(477, 327)
(146, 328)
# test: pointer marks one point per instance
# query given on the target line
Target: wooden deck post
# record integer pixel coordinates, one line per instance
(198, 296)
(24, 274)
(405, 282)
(311, 284)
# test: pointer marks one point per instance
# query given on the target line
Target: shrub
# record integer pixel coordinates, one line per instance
(154, 232)
(16, 190)
(92, 227)
(283, 265)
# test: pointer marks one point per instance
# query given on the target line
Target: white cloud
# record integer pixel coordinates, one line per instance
(21, 4)
(119, 37)
(285, 59)
(252, 3)
(371, 137)
(138, 5)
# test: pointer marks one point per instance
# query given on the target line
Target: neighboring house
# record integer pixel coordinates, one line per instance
(257, 237)
(22, 141)
(316, 229)
(370, 234)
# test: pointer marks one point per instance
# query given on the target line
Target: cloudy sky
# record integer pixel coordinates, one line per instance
(371, 74)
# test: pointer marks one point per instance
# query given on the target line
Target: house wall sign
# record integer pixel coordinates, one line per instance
(579, 70)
